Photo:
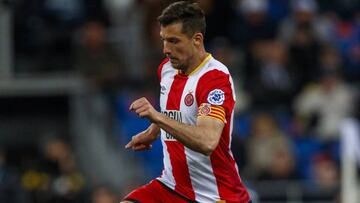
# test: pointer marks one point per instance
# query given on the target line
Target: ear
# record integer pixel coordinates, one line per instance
(198, 39)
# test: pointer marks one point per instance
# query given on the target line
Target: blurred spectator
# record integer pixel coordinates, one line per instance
(253, 23)
(345, 9)
(322, 106)
(10, 183)
(215, 26)
(304, 31)
(44, 32)
(272, 88)
(348, 43)
(97, 60)
(131, 33)
(60, 20)
(329, 59)
(278, 9)
(103, 194)
(269, 153)
(282, 167)
(67, 180)
(119, 11)
(56, 179)
(325, 172)
(29, 34)
(222, 49)
(250, 27)
(305, 14)
(304, 51)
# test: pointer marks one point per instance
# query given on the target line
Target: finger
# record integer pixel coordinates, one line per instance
(128, 145)
(136, 104)
(132, 105)
(139, 147)
(143, 114)
(148, 147)
(142, 111)
(142, 147)
(132, 142)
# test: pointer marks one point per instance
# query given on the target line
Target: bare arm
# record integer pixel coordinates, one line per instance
(203, 137)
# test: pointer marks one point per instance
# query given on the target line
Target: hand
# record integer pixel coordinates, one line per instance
(144, 109)
(141, 141)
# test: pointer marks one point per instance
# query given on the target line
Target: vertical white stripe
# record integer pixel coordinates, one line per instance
(167, 78)
(167, 177)
(202, 176)
(189, 112)
(231, 128)
(230, 140)
(232, 88)
(232, 113)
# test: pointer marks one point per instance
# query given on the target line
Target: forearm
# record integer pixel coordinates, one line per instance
(203, 137)
(153, 131)
(198, 138)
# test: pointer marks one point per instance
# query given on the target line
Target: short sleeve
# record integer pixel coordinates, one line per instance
(214, 95)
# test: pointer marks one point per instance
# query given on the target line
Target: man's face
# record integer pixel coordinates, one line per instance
(177, 46)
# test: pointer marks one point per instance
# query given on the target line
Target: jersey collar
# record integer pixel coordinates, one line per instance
(209, 56)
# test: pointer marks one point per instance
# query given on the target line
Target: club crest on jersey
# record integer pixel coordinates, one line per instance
(204, 109)
(189, 99)
(216, 97)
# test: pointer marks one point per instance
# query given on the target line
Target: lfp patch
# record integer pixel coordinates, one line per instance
(216, 97)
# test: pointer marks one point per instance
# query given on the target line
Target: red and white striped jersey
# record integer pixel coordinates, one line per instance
(207, 91)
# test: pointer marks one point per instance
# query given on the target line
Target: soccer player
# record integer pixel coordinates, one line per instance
(195, 123)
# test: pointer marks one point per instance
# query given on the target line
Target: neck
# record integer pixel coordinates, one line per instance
(196, 61)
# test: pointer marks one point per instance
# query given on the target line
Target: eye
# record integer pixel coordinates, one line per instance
(173, 40)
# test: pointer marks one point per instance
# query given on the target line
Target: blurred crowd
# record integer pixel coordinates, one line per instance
(295, 63)
(48, 175)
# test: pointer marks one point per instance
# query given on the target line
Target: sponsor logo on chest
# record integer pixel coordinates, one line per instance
(173, 114)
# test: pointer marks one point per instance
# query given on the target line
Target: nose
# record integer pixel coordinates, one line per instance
(166, 49)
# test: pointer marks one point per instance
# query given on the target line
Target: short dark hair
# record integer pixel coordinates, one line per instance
(188, 13)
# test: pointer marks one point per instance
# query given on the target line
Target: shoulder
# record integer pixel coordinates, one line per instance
(214, 76)
(217, 65)
(161, 67)
(215, 71)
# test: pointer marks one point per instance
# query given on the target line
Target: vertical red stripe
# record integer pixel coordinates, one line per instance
(175, 149)
(228, 180)
(227, 177)
(176, 91)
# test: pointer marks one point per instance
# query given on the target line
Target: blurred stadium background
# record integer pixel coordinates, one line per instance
(70, 68)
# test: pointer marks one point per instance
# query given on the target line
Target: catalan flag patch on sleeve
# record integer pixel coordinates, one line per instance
(214, 111)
